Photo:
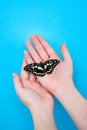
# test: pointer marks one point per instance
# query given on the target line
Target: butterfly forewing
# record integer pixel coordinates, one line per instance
(35, 68)
(50, 64)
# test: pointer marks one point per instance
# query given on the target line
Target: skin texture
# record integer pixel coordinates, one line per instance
(36, 98)
(59, 83)
(62, 72)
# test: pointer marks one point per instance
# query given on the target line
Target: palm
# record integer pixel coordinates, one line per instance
(61, 72)
(31, 92)
(35, 94)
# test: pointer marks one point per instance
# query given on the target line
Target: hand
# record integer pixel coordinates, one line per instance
(59, 82)
(36, 98)
(30, 91)
(61, 74)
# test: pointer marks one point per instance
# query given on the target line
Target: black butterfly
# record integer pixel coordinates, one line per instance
(39, 69)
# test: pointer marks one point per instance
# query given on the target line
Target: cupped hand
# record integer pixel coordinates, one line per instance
(31, 92)
(41, 52)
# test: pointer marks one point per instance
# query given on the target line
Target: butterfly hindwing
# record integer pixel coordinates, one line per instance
(35, 68)
(49, 65)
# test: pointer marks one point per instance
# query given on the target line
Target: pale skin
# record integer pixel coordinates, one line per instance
(36, 98)
(59, 83)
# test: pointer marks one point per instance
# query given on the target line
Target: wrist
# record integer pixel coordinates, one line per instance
(74, 104)
(40, 107)
(43, 119)
(63, 87)
(41, 110)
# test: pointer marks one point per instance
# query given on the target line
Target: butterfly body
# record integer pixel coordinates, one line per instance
(40, 69)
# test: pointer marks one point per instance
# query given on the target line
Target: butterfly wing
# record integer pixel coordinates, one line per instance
(49, 65)
(35, 68)
(39, 69)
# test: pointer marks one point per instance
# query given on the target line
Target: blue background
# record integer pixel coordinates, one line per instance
(57, 21)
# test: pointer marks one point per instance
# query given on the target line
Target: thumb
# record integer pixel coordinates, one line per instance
(65, 53)
(17, 84)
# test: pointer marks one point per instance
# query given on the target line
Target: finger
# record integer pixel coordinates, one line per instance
(33, 53)
(17, 84)
(24, 74)
(29, 60)
(42, 53)
(65, 53)
(47, 47)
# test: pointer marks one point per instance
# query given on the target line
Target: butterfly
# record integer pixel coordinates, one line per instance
(42, 68)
